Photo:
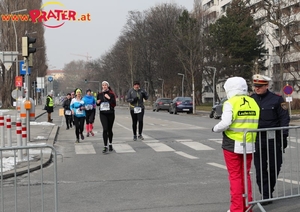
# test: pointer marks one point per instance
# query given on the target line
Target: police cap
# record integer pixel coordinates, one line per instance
(260, 80)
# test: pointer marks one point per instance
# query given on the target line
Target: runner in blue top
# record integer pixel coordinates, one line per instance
(90, 109)
(78, 110)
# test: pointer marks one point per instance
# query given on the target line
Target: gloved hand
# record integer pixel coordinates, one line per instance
(136, 99)
(284, 141)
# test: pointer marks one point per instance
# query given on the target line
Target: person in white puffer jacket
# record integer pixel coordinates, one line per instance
(240, 113)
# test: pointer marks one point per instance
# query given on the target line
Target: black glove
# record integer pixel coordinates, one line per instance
(284, 141)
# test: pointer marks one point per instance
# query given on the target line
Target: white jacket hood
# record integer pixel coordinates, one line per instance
(235, 86)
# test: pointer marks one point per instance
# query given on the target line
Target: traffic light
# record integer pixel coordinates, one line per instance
(27, 48)
(85, 81)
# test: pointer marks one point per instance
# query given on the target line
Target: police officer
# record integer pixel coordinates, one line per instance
(240, 112)
(49, 105)
(269, 146)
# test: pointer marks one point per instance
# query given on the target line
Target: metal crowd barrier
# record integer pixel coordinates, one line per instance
(22, 194)
(288, 180)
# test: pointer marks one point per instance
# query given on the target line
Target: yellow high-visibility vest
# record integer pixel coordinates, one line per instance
(245, 116)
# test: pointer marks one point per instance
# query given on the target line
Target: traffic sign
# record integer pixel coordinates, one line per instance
(50, 78)
(16, 94)
(23, 68)
(18, 81)
(288, 89)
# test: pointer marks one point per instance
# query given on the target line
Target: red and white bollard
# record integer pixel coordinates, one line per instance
(8, 127)
(2, 129)
(19, 137)
(24, 134)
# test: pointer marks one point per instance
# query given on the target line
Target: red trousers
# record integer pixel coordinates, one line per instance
(235, 167)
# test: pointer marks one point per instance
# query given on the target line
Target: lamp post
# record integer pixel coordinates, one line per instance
(146, 85)
(16, 36)
(210, 67)
(162, 86)
(182, 91)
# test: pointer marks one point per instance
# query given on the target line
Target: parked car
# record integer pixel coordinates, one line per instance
(216, 111)
(162, 104)
(181, 104)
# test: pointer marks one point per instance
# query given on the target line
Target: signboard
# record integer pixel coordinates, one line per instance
(40, 82)
(18, 81)
(288, 90)
(8, 58)
(23, 68)
(50, 78)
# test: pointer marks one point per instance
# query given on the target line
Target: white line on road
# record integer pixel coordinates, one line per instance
(196, 145)
(186, 155)
(84, 148)
(159, 147)
(289, 181)
(217, 165)
(123, 148)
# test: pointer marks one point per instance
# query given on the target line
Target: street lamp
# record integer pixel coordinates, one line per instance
(16, 36)
(213, 81)
(162, 86)
(182, 92)
(146, 85)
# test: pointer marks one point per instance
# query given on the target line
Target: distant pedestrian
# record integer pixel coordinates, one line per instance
(240, 113)
(90, 105)
(73, 96)
(136, 97)
(49, 106)
(78, 110)
(67, 111)
(107, 102)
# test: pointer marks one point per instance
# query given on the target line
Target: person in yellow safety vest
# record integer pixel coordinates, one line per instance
(240, 113)
(49, 106)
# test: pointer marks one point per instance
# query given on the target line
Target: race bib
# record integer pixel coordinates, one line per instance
(104, 106)
(78, 111)
(137, 109)
(68, 112)
(89, 107)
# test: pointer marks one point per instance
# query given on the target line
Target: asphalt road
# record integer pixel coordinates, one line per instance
(179, 167)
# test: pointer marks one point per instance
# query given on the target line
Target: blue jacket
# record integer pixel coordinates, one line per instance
(75, 107)
(89, 101)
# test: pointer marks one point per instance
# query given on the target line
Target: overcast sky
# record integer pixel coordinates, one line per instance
(93, 38)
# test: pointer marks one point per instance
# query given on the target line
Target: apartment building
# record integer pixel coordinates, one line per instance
(283, 56)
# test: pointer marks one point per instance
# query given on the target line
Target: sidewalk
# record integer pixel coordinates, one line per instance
(41, 133)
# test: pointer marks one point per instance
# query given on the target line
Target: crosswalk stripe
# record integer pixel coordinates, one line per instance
(217, 165)
(84, 148)
(123, 148)
(186, 155)
(196, 145)
(159, 147)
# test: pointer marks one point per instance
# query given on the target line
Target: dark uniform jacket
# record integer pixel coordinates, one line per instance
(273, 113)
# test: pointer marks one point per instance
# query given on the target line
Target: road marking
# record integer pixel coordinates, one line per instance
(123, 148)
(217, 165)
(196, 145)
(84, 148)
(186, 155)
(159, 147)
(289, 181)
(217, 140)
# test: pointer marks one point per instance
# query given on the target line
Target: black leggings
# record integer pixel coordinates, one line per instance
(107, 121)
(68, 120)
(90, 116)
(137, 117)
(79, 125)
